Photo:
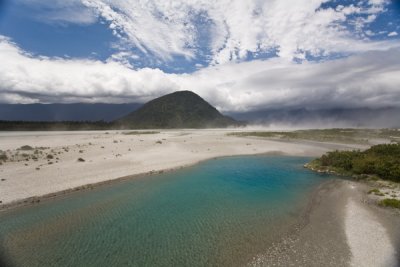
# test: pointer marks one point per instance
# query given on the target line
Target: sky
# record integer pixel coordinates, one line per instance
(240, 55)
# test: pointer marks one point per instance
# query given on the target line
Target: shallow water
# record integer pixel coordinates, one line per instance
(220, 212)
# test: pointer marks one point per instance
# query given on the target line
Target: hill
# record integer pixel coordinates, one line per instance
(182, 109)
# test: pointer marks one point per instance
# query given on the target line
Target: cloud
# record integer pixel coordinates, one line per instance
(60, 11)
(391, 34)
(233, 29)
(370, 79)
(47, 79)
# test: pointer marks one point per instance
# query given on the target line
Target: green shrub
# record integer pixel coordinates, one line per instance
(3, 156)
(26, 147)
(390, 202)
(380, 160)
(141, 132)
(374, 191)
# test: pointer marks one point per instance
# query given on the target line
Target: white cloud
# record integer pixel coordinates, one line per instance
(391, 34)
(61, 11)
(58, 79)
(371, 79)
(235, 27)
(230, 29)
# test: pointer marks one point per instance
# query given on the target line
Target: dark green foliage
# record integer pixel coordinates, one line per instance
(54, 126)
(183, 109)
(381, 160)
(342, 159)
(390, 202)
(141, 132)
(26, 147)
(3, 156)
(375, 191)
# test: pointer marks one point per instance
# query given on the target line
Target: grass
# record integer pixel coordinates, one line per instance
(376, 192)
(390, 202)
(373, 191)
(141, 132)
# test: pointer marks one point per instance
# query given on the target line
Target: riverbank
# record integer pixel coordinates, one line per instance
(340, 228)
(47, 164)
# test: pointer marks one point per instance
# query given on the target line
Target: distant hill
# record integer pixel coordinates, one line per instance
(65, 112)
(182, 109)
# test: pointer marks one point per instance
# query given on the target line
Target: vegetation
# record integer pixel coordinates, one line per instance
(380, 160)
(54, 126)
(376, 192)
(141, 132)
(26, 147)
(390, 202)
(182, 109)
(3, 156)
(353, 136)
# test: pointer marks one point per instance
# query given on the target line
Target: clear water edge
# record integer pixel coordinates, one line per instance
(220, 212)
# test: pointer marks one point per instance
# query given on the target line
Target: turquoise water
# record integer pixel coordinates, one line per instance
(221, 212)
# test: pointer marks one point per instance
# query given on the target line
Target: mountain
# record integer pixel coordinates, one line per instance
(182, 109)
(65, 112)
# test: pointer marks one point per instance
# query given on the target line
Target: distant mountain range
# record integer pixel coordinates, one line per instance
(185, 108)
(65, 112)
(182, 109)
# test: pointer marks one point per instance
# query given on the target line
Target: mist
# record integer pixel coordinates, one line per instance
(321, 119)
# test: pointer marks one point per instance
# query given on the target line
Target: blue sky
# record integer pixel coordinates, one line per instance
(155, 47)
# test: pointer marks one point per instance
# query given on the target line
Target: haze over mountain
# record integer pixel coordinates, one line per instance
(322, 118)
(183, 109)
(65, 112)
(279, 118)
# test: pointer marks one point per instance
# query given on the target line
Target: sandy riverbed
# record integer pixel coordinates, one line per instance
(115, 154)
(338, 224)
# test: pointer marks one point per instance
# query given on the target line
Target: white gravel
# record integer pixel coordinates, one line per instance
(367, 238)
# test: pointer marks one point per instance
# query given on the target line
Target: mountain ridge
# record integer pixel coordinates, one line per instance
(65, 112)
(181, 109)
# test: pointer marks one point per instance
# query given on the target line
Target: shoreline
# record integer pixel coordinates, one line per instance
(325, 214)
(31, 201)
(52, 165)
(338, 228)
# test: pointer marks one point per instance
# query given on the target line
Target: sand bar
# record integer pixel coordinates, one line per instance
(114, 154)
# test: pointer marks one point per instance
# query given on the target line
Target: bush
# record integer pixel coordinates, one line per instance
(390, 202)
(26, 147)
(380, 160)
(3, 156)
(375, 191)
